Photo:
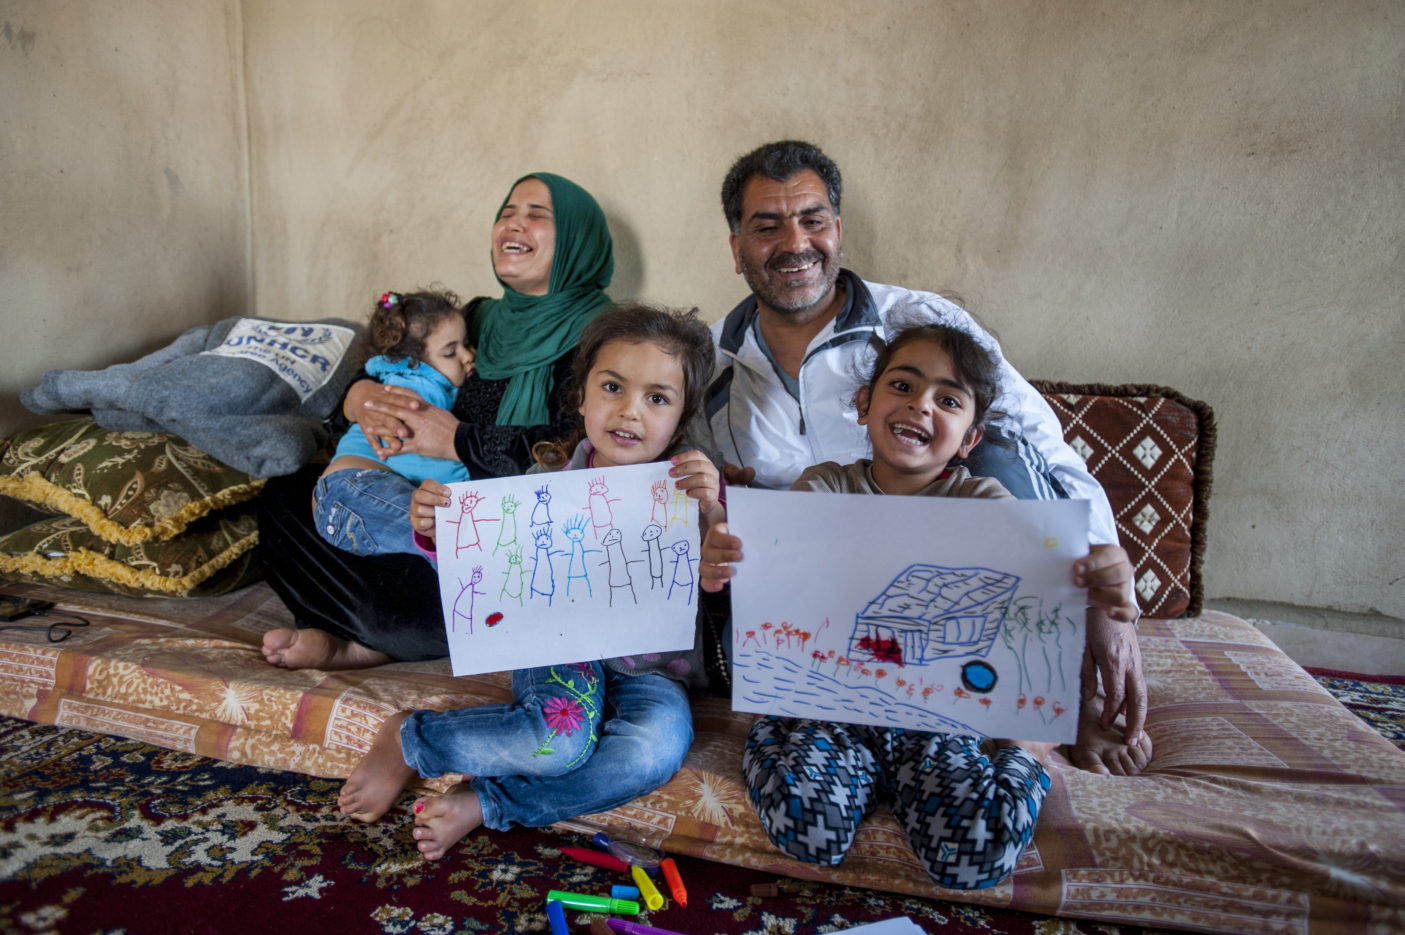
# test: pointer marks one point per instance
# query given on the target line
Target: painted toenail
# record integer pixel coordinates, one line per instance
(419, 806)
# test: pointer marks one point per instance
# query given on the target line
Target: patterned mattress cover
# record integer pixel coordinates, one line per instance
(1268, 806)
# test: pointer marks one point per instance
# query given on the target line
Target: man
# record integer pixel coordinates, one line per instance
(790, 357)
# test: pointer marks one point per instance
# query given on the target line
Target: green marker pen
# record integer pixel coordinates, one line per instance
(594, 903)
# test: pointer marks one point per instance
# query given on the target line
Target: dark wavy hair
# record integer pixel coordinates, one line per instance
(402, 322)
(975, 366)
(778, 161)
(681, 334)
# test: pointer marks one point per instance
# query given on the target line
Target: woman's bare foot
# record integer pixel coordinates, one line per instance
(317, 649)
(379, 778)
(442, 821)
(1104, 750)
(1040, 750)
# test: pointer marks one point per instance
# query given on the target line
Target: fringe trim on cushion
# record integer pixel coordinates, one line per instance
(92, 565)
(44, 493)
(1204, 462)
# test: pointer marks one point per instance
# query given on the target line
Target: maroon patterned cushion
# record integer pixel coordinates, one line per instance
(1151, 449)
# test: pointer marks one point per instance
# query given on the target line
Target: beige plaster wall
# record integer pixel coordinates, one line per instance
(1198, 194)
(123, 183)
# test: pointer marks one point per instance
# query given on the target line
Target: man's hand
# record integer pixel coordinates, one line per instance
(738, 476)
(1107, 574)
(1114, 657)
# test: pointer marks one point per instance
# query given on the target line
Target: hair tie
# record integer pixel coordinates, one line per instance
(389, 299)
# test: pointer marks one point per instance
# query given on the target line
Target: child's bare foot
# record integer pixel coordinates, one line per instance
(442, 821)
(317, 649)
(1104, 750)
(379, 778)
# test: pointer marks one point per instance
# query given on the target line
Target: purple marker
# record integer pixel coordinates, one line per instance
(634, 928)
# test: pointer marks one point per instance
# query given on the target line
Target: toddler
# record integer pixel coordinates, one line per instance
(362, 504)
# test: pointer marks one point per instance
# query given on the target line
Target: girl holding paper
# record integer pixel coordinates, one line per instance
(969, 814)
(590, 736)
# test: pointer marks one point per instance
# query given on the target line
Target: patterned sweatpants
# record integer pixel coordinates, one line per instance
(968, 815)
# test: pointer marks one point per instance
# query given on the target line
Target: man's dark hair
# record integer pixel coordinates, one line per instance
(777, 161)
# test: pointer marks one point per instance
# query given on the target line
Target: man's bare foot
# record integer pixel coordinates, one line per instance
(442, 821)
(1104, 750)
(379, 778)
(317, 649)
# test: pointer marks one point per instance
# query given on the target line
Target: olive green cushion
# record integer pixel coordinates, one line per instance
(127, 487)
(212, 556)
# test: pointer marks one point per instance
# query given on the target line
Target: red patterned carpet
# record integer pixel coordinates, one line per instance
(103, 835)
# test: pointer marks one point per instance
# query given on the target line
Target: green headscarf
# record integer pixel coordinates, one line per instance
(520, 337)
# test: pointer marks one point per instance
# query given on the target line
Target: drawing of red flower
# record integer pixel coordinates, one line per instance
(564, 715)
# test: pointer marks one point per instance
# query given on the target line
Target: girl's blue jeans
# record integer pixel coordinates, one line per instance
(578, 739)
(365, 512)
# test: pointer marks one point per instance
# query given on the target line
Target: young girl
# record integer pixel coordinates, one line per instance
(362, 504)
(590, 736)
(967, 814)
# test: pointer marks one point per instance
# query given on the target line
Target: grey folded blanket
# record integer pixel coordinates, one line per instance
(247, 391)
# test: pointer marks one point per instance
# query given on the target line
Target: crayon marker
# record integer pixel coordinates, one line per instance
(597, 858)
(652, 897)
(590, 903)
(675, 882)
(634, 928)
(624, 892)
(557, 917)
(599, 926)
(778, 888)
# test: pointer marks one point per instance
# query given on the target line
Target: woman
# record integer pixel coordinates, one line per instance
(553, 255)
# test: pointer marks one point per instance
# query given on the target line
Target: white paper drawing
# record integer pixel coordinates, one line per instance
(563, 567)
(934, 613)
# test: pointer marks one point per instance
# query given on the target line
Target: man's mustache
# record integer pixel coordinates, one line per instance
(791, 260)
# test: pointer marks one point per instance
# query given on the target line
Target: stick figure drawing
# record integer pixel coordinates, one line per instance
(601, 516)
(574, 528)
(541, 586)
(620, 579)
(543, 574)
(469, 591)
(650, 535)
(468, 537)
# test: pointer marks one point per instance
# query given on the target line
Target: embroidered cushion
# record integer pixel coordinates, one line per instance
(126, 487)
(214, 555)
(1152, 450)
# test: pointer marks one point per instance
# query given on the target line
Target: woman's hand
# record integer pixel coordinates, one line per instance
(719, 550)
(427, 496)
(395, 419)
(382, 427)
(698, 476)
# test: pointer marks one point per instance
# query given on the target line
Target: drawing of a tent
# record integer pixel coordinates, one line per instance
(928, 612)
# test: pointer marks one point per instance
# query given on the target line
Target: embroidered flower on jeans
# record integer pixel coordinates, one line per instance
(564, 715)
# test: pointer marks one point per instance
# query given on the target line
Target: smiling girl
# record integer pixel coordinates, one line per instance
(590, 736)
(967, 811)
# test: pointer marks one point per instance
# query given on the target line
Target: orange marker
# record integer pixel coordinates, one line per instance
(675, 882)
(647, 890)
